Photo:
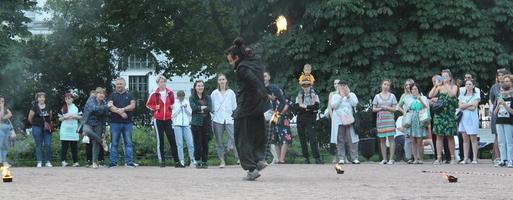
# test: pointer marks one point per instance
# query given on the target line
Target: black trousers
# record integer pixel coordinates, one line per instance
(307, 134)
(164, 128)
(250, 140)
(200, 137)
(74, 150)
(89, 153)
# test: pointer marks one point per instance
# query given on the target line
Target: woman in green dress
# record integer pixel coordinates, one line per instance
(405, 100)
(444, 121)
(417, 130)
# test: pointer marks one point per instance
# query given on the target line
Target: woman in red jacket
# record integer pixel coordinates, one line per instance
(161, 103)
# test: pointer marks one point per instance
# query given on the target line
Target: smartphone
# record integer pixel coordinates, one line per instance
(439, 78)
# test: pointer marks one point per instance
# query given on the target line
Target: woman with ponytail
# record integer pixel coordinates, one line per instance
(252, 102)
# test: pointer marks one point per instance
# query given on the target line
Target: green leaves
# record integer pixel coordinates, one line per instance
(365, 41)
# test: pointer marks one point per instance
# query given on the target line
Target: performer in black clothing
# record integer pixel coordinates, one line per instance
(252, 102)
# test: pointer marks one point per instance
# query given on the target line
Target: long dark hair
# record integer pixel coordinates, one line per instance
(474, 91)
(65, 106)
(194, 93)
(239, 49)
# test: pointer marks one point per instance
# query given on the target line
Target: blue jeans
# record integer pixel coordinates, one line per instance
(116, 131)
(505, 139)
(5, 130)
(182, 132)
(42, 137)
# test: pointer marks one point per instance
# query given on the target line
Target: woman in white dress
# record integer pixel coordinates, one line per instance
(469, 124)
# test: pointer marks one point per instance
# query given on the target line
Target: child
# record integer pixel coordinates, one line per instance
(306, 80)
(403, 141)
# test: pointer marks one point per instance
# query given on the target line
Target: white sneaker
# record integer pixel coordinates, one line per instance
(39, 165)
(391, 162)
(48, 164)
(95, 166)
(356, 161)
(474, 162)
(498, 163)
(383, 162)
(6, 164)
(223, 164)
(510, 164)
(76, 164)
(238, 161)
(64, 164)
(341, 162)
(192, 165)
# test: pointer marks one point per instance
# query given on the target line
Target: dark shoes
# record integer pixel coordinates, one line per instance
(318, 161)
(201, 165)
(178, 165)
(307, 161)
(251, 176)
(261, 165)
(162, 165)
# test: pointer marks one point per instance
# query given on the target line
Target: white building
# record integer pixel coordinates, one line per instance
(141, 77)
(138, 72)
(39, 18)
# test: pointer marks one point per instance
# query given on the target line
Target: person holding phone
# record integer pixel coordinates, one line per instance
(445, 124)
(504, 112)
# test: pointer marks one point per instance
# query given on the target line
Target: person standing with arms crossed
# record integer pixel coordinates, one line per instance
(121, 103)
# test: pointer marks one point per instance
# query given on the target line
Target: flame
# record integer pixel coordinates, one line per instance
(281, 24)
(450, 179)
(339, 169)
(6, 171)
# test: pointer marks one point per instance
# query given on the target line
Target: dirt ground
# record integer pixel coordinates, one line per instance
(365, 181)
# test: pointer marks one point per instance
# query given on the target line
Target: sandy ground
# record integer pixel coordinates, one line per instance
(365, 181)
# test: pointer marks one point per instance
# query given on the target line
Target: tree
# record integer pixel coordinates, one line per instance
(364, 42)
(13, 62)
(192, 34)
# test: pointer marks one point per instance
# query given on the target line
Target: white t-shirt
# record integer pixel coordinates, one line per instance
(163, 95)
(398, 124)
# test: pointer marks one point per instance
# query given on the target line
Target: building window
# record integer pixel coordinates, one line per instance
(138, 85)
(137, 63)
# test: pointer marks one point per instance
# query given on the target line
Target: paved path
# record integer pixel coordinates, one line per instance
(365, 181)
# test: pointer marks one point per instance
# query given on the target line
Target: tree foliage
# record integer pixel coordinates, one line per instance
(364, 42)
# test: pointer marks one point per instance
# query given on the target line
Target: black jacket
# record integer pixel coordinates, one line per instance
(279, 103)
(252, 99)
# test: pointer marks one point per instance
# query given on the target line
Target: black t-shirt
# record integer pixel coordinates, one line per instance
(503, 116)
(40, 116)
(121, 100)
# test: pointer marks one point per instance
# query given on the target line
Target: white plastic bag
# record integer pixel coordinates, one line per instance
(85, 139)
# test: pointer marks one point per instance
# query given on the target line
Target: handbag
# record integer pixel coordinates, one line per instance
(347, 119)
(425, 117)
(407, 120)
(48, 127)
(459, 115)
(13, 133)
(438, 106)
